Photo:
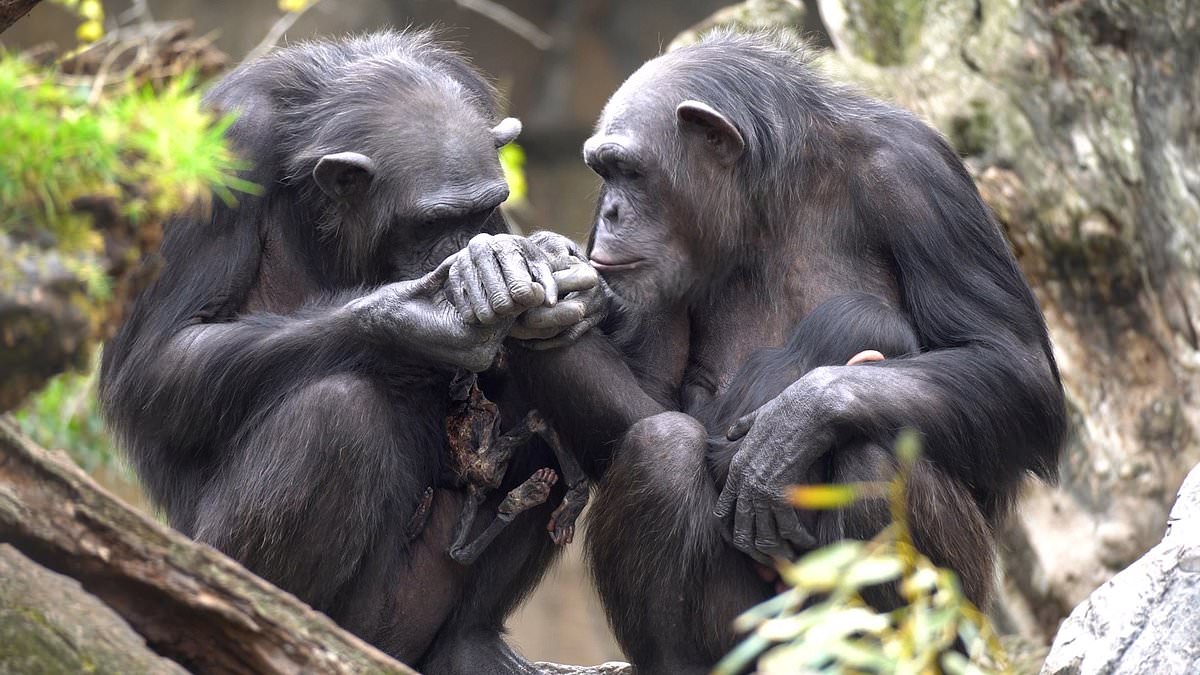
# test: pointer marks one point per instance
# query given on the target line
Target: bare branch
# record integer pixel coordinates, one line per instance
(277, 31)
(11, 10)
(510, 20)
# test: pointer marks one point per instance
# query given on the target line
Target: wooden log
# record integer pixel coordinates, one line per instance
(190, 603)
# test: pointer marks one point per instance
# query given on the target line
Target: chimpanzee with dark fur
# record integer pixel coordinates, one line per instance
(283, 387)
(741, 191)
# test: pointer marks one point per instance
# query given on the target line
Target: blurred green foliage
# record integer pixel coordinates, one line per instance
(65, 415)
(91, 16)
(512, 161)
(822, 624)
(151, 151)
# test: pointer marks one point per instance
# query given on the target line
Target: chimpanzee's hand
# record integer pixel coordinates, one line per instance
(500, 276)
(584, 298)
(417, 316)
(783, 439)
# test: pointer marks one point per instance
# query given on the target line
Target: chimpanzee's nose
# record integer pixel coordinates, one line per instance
(609, 213)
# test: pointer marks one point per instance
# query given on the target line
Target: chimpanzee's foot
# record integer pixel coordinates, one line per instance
(562, 521)
(534, 491)
(525, 496)
(420, 517)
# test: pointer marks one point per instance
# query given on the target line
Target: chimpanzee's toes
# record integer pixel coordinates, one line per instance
(529, 494)
(420, 517)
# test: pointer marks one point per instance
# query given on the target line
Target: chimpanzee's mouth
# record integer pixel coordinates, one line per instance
(606, 264)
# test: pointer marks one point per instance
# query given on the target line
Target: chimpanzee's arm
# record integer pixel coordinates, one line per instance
(985, 394)
(587, 393)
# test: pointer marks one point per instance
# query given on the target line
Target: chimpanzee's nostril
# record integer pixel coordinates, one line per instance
(610, 213)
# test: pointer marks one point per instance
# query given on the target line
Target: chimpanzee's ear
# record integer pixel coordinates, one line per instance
(344, 176)
(506, 131)
(714, 129)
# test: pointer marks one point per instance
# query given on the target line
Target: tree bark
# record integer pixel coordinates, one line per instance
(11, 10)
(1078, 120)
(189, 603)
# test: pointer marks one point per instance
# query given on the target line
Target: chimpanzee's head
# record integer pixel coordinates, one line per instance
(693, 150)
(390, 143)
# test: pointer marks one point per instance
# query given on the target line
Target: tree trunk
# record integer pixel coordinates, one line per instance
(11, 10)
(138, 580)
(1078, 121)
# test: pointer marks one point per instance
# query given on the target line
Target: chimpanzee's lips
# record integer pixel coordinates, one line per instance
(603, 263)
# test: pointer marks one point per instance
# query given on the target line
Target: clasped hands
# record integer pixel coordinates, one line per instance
(539, 291)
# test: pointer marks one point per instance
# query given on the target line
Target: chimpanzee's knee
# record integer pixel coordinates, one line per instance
(946, 523)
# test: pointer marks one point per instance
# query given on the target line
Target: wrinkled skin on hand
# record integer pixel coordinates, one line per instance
(543, 280)
(499, 285)
(584, 298)
(417, 316)
(782, 440)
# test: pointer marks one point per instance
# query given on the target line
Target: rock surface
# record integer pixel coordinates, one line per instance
(1146, 619)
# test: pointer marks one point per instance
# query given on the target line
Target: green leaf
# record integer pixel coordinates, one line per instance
(823, 497)
(875, 570)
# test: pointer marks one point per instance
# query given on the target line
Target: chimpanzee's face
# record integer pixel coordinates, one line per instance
(413, 194)
(669, 209)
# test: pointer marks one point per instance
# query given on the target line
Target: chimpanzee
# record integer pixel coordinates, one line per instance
(741, 191)
(844, 330)
(283, 387)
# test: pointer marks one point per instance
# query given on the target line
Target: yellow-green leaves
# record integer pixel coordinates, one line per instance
(828, 496)
(91, 12)
(512, 160)
(823, 624)
(151, 152)
(295, 5)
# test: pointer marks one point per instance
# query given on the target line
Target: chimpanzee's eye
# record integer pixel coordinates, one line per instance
(628, 170)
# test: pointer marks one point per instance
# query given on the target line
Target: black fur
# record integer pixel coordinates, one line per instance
(708, 260)
(263, 420)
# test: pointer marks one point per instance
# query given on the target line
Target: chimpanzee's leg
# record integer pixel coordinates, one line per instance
(472, 640)
(947, 524)
(533, 492)
(669, 582)
(562, 521)
(324, 489)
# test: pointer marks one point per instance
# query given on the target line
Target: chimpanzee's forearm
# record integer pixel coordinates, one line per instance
(587, 392)
(987, 414)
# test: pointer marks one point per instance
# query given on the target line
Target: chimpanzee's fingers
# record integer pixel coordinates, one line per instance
(437, 278)
(767, 540)
(729, 493)
(523, 289)
(527, 337)
(495, 288)
(741, 427)
(743, 530)
(544, 275)
(792, 530)
(455, 288)
(562, 315)
(474, 290)
(580, 277)
(569, 336)
(865, 357)
(542, 263)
